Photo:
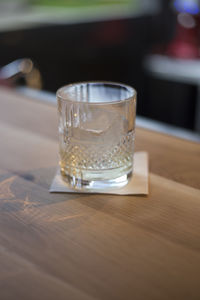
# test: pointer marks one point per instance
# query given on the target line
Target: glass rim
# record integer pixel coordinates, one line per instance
(107, 83)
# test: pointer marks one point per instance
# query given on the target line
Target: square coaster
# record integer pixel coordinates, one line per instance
(137, 185)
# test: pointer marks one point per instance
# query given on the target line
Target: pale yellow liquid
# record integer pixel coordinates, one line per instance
(93, 159)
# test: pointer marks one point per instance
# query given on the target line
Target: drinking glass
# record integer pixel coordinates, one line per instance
(96, 134)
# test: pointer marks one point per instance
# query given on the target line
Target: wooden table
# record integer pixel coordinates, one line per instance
(73, 246)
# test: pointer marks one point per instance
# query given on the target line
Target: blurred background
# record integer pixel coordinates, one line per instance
(152, 45)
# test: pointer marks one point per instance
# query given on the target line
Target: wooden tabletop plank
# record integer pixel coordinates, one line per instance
(21, 112)
(105, 246)
(170, 157)
(23, 150)
(79, 246)
(15, 270)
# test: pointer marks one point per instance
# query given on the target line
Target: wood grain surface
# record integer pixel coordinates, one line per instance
(73, 246)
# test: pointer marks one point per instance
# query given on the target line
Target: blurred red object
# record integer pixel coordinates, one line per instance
(5, 82)
(186, 45)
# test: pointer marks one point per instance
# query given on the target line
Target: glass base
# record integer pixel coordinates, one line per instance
(80, 184)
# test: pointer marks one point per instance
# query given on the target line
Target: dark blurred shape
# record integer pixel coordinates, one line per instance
(111, 49)
(103, 49)
(172, 84)
(186, 41)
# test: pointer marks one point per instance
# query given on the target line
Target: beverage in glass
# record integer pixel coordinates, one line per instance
(96, 134)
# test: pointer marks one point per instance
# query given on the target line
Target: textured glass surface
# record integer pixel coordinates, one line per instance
(96, 133)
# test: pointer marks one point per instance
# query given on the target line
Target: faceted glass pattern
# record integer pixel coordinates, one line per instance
(96, 134)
